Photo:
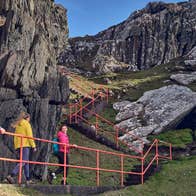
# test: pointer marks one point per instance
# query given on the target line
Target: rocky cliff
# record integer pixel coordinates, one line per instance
(31, 38)
(156, 111)
(149, 37)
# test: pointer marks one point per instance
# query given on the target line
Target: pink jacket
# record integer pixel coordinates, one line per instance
(63, 138)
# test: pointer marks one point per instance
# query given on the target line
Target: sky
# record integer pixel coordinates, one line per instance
(88, 17)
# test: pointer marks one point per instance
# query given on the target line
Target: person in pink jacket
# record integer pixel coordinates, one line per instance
(62, 138)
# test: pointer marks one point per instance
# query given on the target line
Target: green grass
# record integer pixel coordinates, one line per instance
(192, 86)
(178, 138)
(177, 178)
(136, 83)
(12, 190)
(84, 158)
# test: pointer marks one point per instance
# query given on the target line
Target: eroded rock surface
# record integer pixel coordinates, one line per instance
(184, 79)
(156, 111)
(149, 37)
(34, 34)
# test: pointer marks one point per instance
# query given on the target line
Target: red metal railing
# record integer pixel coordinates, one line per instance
(121, 170)
(93, 88)
(74, 111)
(78, 114)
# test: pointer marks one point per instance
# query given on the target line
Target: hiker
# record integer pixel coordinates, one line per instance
(22, 126)
(62, 138)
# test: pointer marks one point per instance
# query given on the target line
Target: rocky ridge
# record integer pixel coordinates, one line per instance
(149, 37)
(33, 35)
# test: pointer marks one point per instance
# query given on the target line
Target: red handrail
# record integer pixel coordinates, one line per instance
(117, 130)
(170, 149)
(112, 124)
(76, 105)
(110, 134)
(98, 117)
(97, 168)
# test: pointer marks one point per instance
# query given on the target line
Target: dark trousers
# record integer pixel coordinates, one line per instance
(61, 161)
(25, 156)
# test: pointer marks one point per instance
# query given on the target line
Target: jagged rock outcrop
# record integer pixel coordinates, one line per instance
(156, 111)
(34, 34)
(149, 37)
(184, 79)
(190, 61)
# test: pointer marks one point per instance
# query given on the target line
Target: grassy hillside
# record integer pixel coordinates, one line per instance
(12, 190)
(84, 158)
(178, 138)
(131, 86)
(177, 178)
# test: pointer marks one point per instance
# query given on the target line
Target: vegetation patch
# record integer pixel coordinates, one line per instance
(178, 138)
(81, 157)
(12, 190)
(175, 178)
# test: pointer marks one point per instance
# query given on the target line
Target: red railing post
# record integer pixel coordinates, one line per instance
(80, 107)
(97, 169)
(93, 97)
(21, 158)
(76, 115)
(65, 165)
(116, 129)
(96, 125)
(101, 94)
(122, 170)
(107, 95)
(142, 171)
(157, 153)
(70, 113)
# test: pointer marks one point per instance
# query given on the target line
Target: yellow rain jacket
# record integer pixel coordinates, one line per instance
(24, 128)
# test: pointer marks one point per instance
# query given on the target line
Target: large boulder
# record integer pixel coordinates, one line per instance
(184, 79)
(156, 111)
(33, 35)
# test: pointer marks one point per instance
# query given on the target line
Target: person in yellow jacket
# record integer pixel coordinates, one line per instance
(23, 127)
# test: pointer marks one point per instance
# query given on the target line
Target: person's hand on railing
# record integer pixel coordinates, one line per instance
(34, 149)
(2, 130)
(74, 146)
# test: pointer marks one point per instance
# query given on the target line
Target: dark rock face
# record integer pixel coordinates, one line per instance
(190, 61)
(149, 37)
(31, 39)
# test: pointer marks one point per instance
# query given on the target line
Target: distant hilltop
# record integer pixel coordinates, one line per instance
(149, 37)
